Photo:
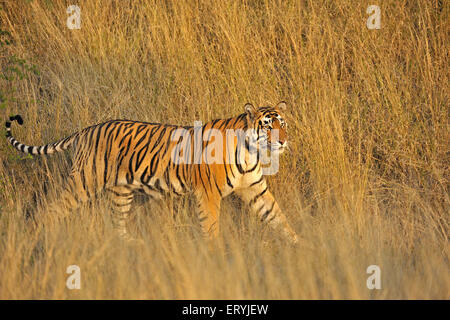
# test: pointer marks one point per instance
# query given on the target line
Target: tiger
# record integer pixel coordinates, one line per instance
(123, 157)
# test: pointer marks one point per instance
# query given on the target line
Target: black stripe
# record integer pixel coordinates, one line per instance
(177, 172)
(257, 162)
(143, 180)
(108, 148)
(120, 194)
(260, 208)
(122, 205)
(201, 179)
(141, 139)
(120, 157)
(158, 140)
(237, 161)
(124, 137)
(130, 175)
(158, 186)
(266, 214)
(139, 129)
(97, 139)
(226, 174)
(258, 196)
(118, 128)
(218, 189)
(229, 183)
(256, 182)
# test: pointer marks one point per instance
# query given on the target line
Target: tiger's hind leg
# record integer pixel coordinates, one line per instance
(122, 198)
(70, 197)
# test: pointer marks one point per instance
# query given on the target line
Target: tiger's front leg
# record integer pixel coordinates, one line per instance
(263, 204)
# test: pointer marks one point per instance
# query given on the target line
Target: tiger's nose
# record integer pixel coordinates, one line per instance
(282, 142)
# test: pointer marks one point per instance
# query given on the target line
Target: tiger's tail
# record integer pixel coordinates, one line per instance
(50, 148)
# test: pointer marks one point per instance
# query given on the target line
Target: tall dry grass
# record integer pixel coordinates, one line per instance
(366, 180)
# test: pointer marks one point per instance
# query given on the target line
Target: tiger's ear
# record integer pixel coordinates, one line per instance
(251, 111)
(281, 106)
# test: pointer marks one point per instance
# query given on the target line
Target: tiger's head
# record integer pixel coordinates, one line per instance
(269, 126)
